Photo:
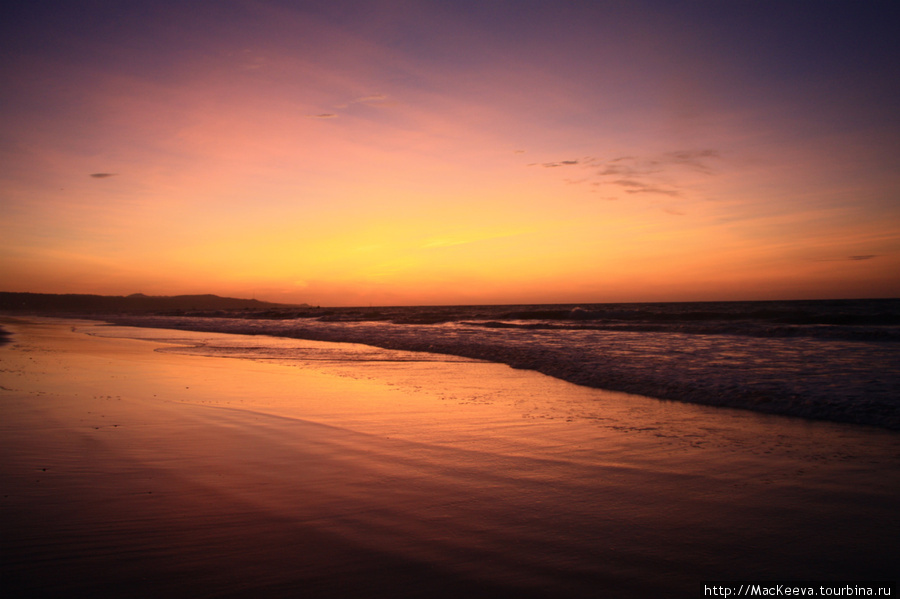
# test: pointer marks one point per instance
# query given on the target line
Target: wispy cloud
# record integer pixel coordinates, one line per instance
(560, 163)
(640, 187)
(674, 211)
(615, 169)
(370, 100)
(850, 258)
(466, 238)
(102, 175)
(696, 159)
(654, 174)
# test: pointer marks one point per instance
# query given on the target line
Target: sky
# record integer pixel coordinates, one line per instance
(467, 152)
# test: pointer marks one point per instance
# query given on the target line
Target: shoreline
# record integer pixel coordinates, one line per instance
(131, 468)
(878, 411)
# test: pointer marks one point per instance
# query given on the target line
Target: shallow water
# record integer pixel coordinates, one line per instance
(834, 361)
(131, 468)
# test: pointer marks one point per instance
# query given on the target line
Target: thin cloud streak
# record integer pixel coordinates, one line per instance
(859, 258)
(372, 100)
(656, 174)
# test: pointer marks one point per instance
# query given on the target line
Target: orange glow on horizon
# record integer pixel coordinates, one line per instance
(328, 165)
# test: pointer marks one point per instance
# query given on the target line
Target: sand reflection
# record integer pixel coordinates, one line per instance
(129, 470)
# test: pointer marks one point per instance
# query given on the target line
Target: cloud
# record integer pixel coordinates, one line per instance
(373, 99)
(615, 169)
(102, 175)
(651, 189)
(641, 170)
(628, 183)
(464, 238)
(369, 100)
(691, 158)
(560, 163)
(850, 258)
(653, 174)
(632, 186)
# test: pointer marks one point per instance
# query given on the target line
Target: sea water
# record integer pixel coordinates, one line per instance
(833, 360)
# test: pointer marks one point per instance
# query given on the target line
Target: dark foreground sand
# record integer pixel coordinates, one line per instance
(130, 472)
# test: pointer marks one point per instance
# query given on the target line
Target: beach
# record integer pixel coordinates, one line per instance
(135, 464)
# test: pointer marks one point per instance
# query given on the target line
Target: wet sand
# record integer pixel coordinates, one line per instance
(128, 471)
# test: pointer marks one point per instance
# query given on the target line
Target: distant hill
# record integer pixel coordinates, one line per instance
(138, 302)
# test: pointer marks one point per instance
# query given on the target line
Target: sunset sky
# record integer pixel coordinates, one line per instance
(465, 152)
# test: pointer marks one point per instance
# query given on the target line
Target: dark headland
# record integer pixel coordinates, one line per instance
(135, 303)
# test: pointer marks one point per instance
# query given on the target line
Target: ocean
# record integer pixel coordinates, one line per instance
(834, 360)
